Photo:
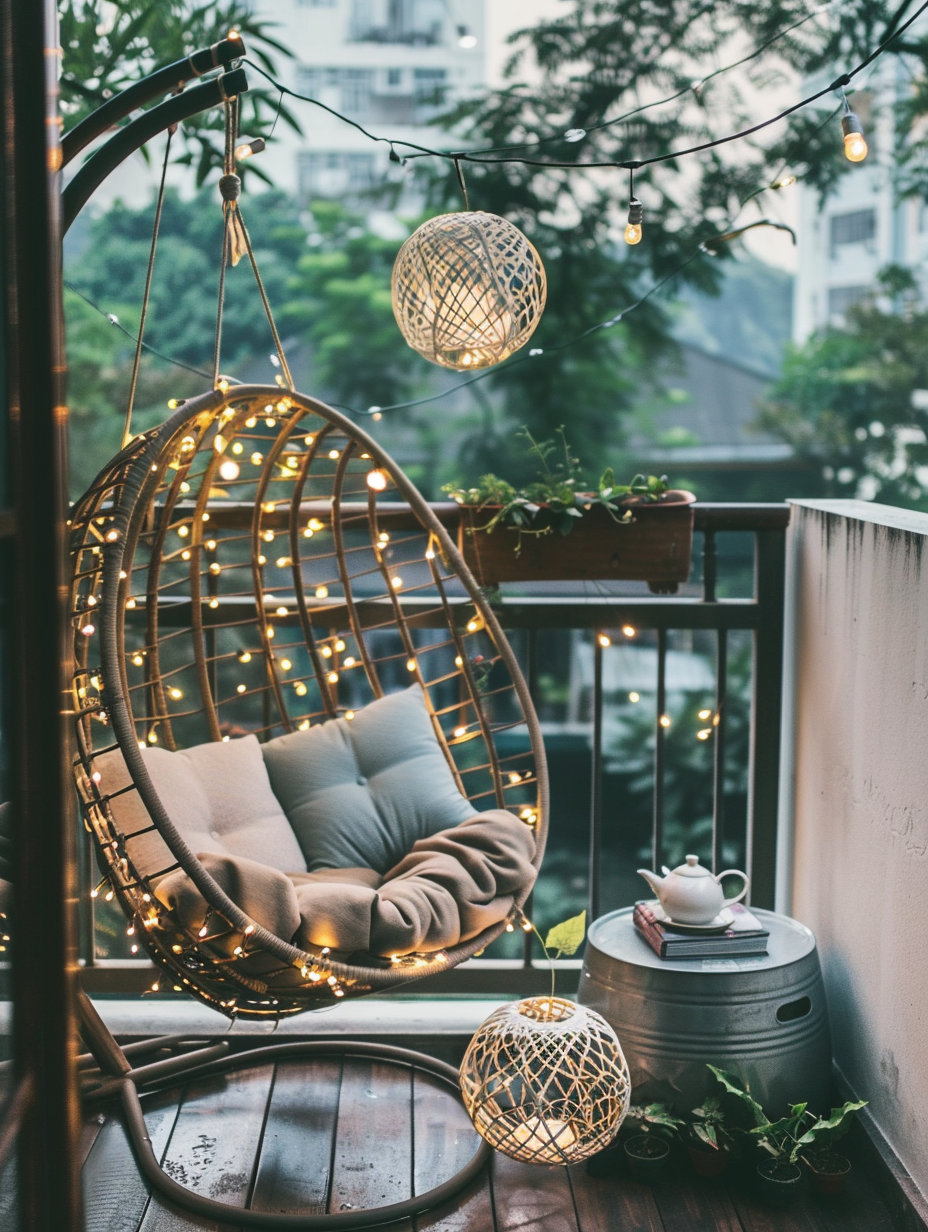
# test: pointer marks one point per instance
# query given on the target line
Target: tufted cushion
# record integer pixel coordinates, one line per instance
(361, 793)
(217, 795)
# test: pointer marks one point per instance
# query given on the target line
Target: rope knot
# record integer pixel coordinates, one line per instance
(230, 186)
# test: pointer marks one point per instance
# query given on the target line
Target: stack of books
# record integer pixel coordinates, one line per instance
(744, 936)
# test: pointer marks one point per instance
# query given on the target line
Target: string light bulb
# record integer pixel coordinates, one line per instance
(855, 147)
(468, 290)
(633, 229)
(249, 149)
(377, 480)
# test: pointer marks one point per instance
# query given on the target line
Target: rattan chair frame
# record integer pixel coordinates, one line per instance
(124, 528)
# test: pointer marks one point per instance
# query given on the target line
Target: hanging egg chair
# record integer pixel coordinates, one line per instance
(266, 612)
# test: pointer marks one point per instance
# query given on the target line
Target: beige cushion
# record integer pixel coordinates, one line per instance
(217, 795)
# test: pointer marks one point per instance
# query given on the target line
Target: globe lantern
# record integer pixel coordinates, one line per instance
(468, 290)
(544, 1081)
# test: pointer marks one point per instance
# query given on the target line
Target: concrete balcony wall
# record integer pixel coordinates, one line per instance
(854, 825)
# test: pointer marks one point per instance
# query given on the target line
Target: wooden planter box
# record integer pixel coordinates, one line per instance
(655, 547)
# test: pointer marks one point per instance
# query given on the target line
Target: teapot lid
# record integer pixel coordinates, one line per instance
(692, 868)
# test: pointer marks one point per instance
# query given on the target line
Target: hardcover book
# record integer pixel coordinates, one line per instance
(744, 937)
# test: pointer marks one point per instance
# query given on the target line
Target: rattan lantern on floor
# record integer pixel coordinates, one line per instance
(468, 290)
(545, 1082)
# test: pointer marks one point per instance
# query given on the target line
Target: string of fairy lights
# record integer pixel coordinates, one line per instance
(469, 288)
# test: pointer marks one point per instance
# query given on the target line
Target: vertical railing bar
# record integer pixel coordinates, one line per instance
(657, 835)
(531, 675)
(710, 561)
(596, 784)
(718, 772)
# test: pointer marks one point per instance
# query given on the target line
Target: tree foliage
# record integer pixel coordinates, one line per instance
(108, 45)
(338, 299)
(854, 398)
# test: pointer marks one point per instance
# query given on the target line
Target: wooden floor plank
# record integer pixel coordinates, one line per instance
(859, 1209)
(444, 1140)
(532, 1196)
(296, 1155)
(214, 1146)
(604, 1204)
(373, 1138)
(695, 1205)
(115, 1196)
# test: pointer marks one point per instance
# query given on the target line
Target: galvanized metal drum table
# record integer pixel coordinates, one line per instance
(761, 1018)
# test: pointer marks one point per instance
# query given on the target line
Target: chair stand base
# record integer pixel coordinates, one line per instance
(205, 1063)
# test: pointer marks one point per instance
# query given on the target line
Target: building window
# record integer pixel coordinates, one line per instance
(352, 88)
(857, 227)
(842, 299)
(419, 23)
(333, 173)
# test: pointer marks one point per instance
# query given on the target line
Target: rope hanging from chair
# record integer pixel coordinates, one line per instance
(236, 243)
(146, 296)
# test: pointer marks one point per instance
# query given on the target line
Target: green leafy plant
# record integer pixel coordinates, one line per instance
(567, 937)
(564, 938)
(818, 1142)
(709, 1125)
(654, 1120)
(790, 1137)
(559, 491)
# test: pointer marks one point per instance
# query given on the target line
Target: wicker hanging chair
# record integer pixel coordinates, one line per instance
(259, 564)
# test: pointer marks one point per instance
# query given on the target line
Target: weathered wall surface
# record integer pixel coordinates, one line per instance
(858, 638)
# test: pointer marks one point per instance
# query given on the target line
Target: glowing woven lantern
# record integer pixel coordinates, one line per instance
(545, 1081)
(468, 290)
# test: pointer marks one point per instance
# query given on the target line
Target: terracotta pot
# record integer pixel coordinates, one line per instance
(829, 1171)
(655, 547)
(778, 1183)
(707, 1161)
(647, 1157)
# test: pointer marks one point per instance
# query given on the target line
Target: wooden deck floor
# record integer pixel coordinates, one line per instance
(329, 1135)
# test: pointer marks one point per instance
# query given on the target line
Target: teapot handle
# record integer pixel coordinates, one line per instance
(734, 872)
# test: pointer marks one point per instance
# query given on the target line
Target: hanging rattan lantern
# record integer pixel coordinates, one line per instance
(468, 290)
(545, 1081)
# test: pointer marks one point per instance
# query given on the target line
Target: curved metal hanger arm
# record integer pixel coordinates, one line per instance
(165, 80)
(130, 138)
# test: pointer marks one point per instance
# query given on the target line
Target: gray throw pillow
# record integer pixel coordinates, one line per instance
(359, 793)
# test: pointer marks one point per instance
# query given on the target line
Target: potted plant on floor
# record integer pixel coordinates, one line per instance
(829, 1169)
(561, 528)
(779, 1176)
(708, 1140)
(784, 1142)
(647, 1149)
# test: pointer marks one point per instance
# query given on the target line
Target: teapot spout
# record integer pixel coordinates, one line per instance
(656, 883)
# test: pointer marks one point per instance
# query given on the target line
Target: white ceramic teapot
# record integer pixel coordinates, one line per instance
(691, 894)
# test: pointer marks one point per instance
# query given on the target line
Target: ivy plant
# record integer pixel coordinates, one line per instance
(560, 492)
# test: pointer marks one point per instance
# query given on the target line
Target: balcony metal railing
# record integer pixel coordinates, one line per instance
(741, 736)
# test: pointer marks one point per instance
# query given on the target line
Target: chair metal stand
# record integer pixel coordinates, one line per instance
(116, 1078)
